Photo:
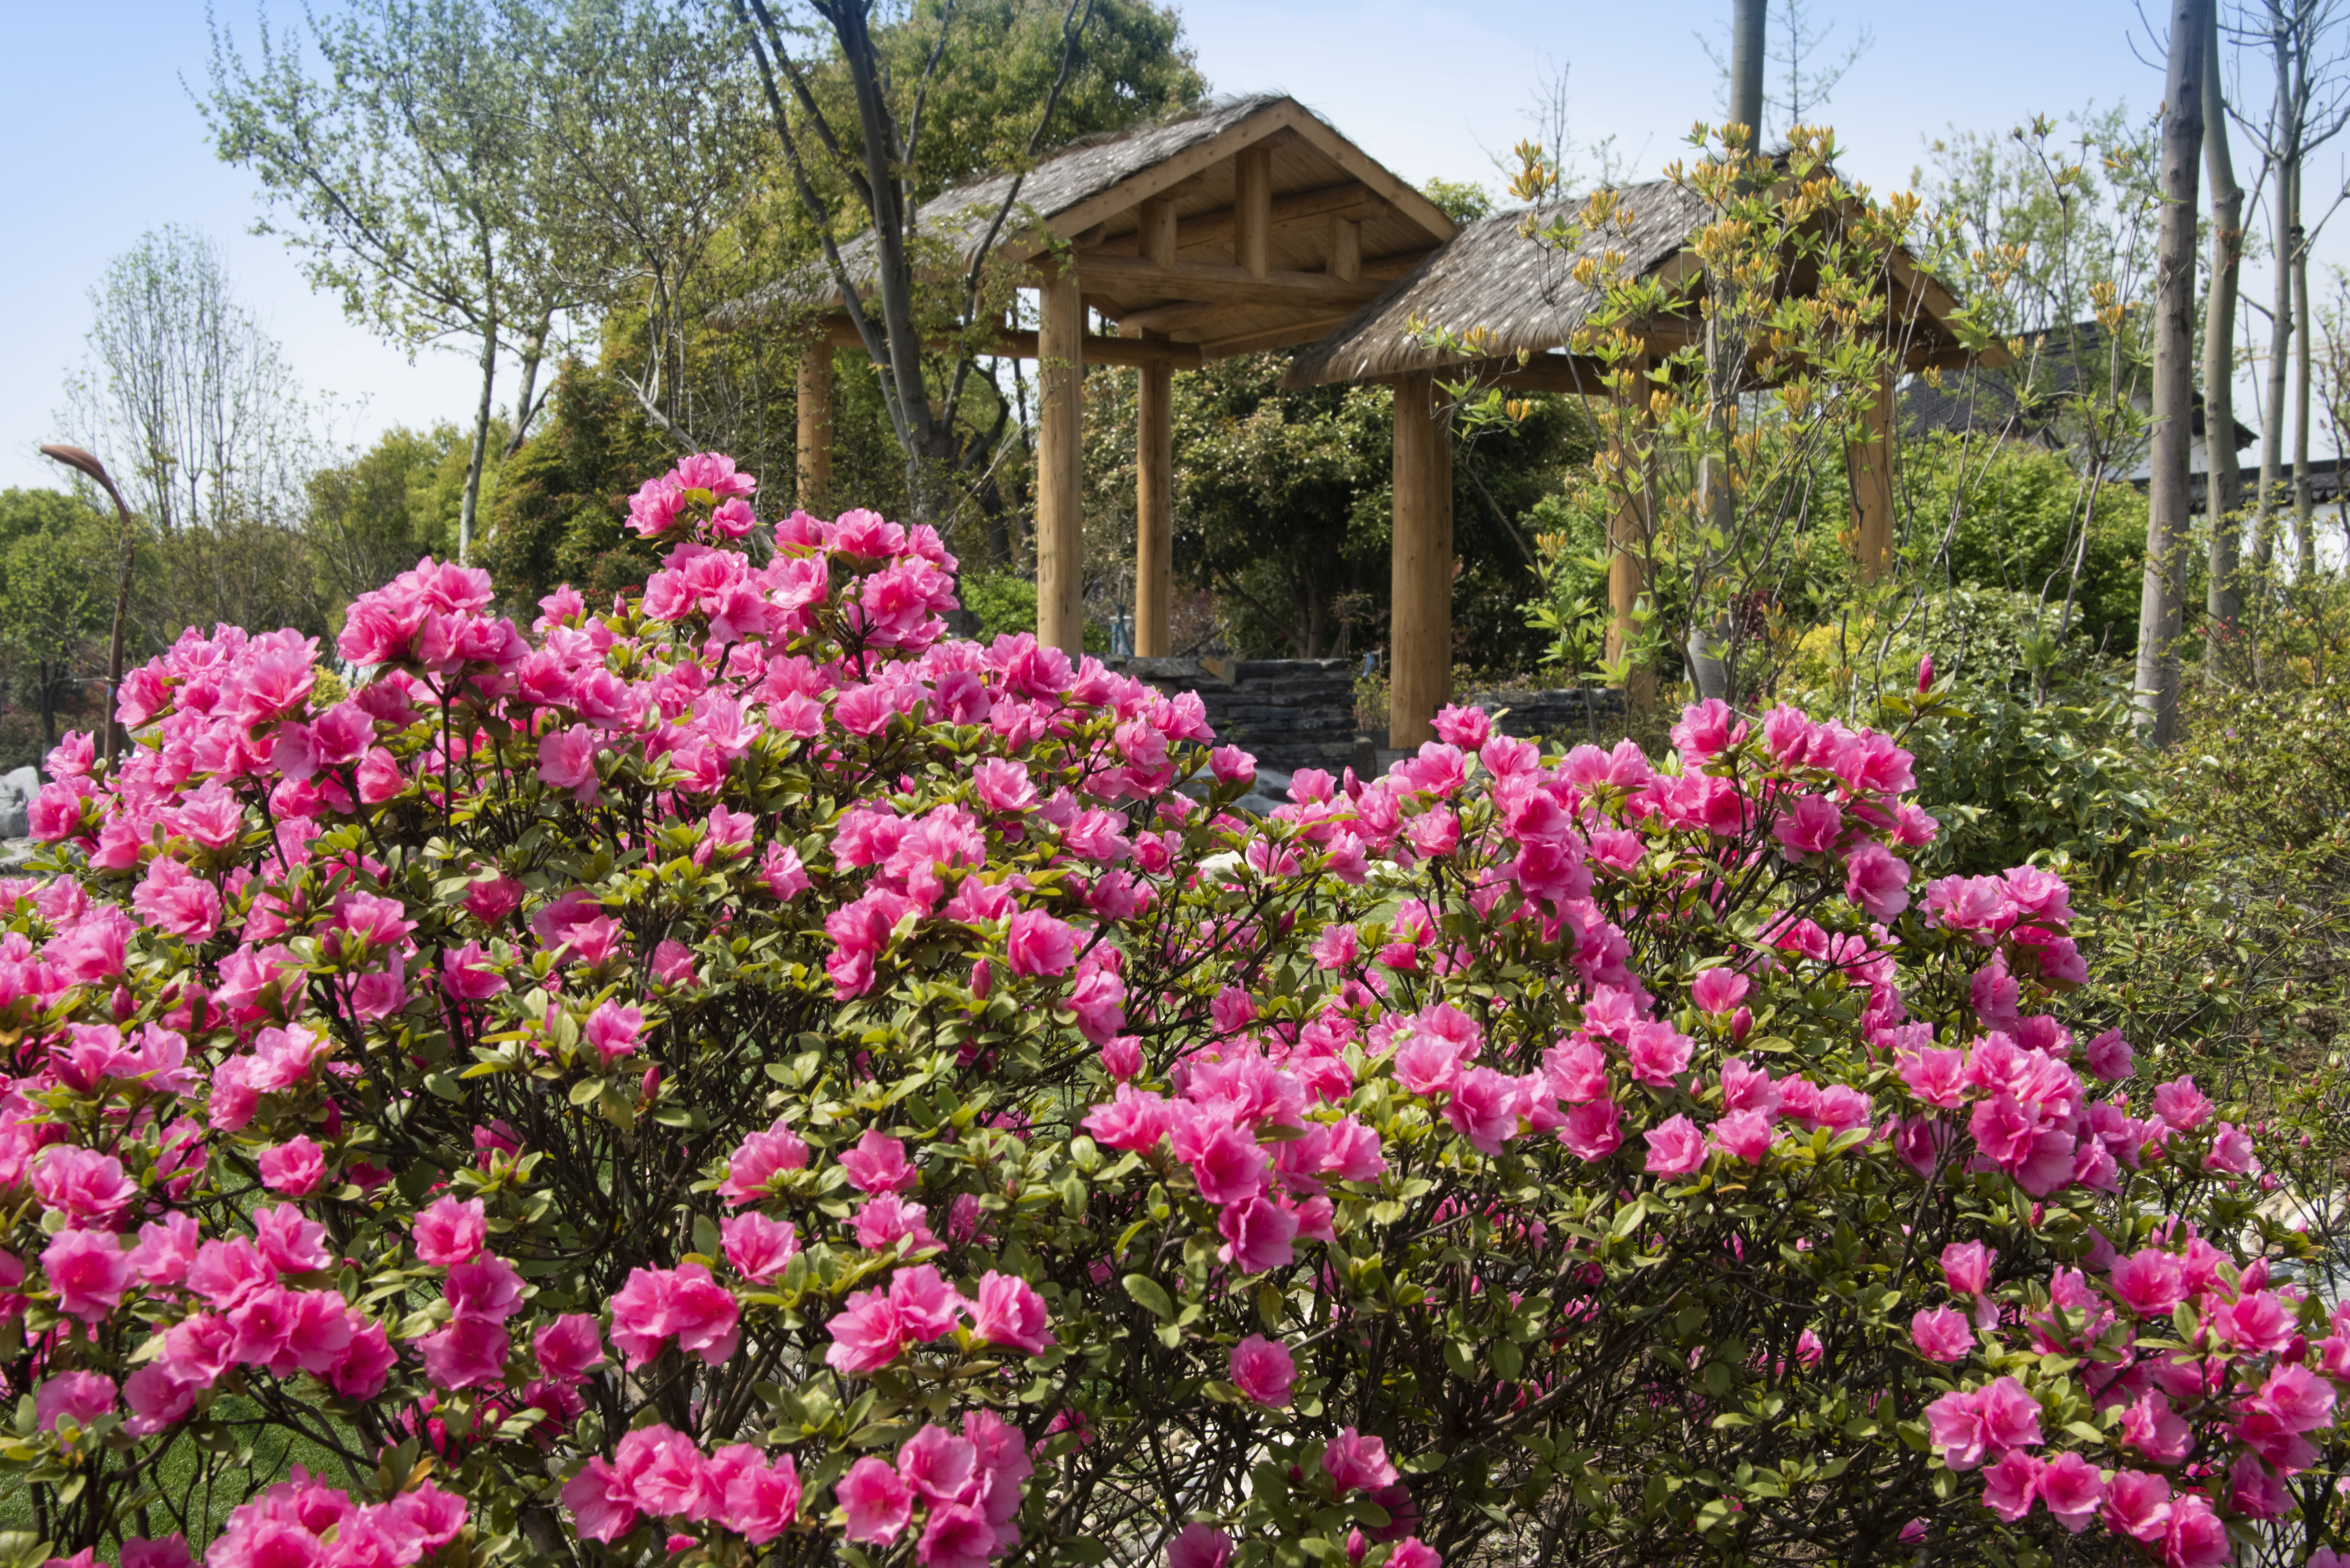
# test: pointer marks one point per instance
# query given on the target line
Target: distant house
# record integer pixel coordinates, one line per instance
(2031, 399)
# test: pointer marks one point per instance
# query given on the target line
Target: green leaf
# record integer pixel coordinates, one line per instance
(1150, 1294)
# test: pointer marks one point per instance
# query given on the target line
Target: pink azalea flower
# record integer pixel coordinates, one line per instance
(450, 1232)
(877, 1164)
(1941, 1334)
(1264, 1370)
(1676, 1148)
(1009, 1312)
(1355, 1461)
(878, 1501)
(1199, 1546)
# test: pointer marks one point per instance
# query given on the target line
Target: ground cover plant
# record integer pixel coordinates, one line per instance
(732, 1075)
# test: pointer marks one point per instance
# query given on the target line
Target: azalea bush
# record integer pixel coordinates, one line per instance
(731, 1076)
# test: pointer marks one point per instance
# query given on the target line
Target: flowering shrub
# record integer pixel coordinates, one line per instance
(734, 1074)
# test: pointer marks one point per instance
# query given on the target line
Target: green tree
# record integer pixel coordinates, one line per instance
(370, 518)
(883, 114)
(53, 597)
(405, 167)
(1282, 506)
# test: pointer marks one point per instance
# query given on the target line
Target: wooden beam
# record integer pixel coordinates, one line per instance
(1388, 268)
(1252, 210)
(1576, 375)
(1296, 209)
(1869, 460)
(1172, 317)
(1157, 235)
(815, 426)
(1267, 338)
(1163, 176)
(1220, 282)
(1023, 345)
(1060, 467)
(1346, 248)
(1421, 648)
(1154, 510)
(1423, 213)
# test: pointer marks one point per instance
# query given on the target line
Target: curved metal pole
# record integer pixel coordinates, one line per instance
(75, 457)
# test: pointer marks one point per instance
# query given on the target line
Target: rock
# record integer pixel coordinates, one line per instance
(16, 791)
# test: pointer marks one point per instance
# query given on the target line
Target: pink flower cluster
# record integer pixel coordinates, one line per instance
(968, 1489)
(657, 1472)
(723, 971)
(1231, 1100)
(301, 1523)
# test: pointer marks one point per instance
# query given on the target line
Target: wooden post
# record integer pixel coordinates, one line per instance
(1346, 248)
(1252, 209)
(1627, 540)
(1060, 464)
(1154, 465)
(1420, 646)
(1868, 458)
(1154, 509)
(815, 426)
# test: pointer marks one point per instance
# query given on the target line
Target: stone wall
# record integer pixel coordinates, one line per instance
(1291, 714)
(1569, 714)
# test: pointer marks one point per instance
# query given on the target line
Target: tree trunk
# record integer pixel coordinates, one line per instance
(470, 506)
(2287, 229)
(1746, 35)
(2174, 378)
(526, 406)
(2223, 601)
(2304, 524)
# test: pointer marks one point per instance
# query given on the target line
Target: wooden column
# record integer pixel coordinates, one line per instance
(1252, 209)
(1627, 540)
(816, 427)
(1346, 248)
(1060, 466)
(1154, 465)
(1419, 647)
(1154, 509)
(1868, 458)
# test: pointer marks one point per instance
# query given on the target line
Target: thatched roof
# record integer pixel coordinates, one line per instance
(2024, 401)
(1503, 276)
(1492, 276)
(1079, 186)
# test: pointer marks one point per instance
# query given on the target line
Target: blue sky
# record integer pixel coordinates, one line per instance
(105, 141)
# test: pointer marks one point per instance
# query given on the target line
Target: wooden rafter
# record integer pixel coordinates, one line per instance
(1351, 200)
(1023, 344)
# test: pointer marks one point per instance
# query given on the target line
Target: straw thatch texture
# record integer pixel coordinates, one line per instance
(1492, 276)
(960, 217)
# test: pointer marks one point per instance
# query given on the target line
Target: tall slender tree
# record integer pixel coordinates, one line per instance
(2309, 106)
(181, 392)
(873, 157)
(405, 166)
(2165, 591)
(2224, 600)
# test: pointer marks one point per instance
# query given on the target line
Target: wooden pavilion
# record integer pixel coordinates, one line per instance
(1255, 225)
